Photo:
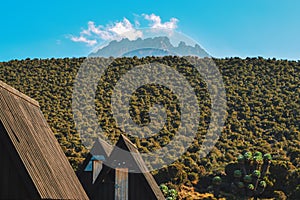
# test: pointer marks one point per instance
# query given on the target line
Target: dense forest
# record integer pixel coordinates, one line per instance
(263, 115)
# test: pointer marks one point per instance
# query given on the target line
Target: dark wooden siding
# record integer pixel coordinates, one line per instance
(138, 188)
(106, 189)
(12, 184)
(86, 181)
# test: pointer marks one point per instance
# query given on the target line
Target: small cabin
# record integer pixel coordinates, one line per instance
(122, 174)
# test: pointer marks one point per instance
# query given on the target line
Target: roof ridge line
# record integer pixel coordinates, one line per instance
(18, 93)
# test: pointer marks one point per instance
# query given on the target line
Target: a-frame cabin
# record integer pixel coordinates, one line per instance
(33, 165)
(93, 164)
(124, 176)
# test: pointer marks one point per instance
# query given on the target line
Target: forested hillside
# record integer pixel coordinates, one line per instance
(263, 114)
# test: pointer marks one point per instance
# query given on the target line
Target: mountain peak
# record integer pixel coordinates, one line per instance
(157, 46)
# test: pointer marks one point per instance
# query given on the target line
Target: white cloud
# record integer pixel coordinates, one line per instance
(125, 29)
(121, 29)
(98, 31)
(84, 40)
(157, 24)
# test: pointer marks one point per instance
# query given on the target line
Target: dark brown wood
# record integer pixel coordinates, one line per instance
(12, 170)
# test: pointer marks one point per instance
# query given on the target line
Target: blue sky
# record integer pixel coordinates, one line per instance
(43, 29)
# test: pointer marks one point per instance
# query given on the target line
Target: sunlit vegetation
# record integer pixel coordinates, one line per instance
(263, 115)
(170, 194)
(244, 179)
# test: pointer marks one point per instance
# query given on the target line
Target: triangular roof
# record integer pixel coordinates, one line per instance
(35, 153)
(101, 147)
(126, 155)
(85, 173)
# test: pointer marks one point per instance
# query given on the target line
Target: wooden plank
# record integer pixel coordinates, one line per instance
(97, 167)
(121, 184)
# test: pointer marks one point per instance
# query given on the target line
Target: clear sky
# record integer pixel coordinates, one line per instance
(45, 29)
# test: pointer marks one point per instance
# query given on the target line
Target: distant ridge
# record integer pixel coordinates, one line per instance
(157, 46)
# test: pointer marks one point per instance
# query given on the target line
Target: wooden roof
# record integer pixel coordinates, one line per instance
(101, 147)
(85, 175)
(36, 146)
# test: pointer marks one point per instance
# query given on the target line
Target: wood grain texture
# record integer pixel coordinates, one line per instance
(35, 148)
(121, 184)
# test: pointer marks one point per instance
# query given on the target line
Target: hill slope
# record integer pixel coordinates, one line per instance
(263, 112)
